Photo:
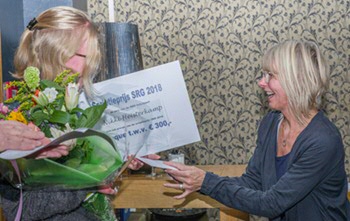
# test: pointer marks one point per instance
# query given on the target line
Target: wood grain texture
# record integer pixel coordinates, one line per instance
(139, 191)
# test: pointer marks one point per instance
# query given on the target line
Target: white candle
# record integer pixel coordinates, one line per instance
(111, 10)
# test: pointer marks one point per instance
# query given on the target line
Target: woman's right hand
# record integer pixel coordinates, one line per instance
(188, 178)
(18, 136)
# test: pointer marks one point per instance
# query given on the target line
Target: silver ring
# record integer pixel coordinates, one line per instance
(181, 186)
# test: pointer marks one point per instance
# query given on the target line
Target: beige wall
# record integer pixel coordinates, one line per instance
(220, 45)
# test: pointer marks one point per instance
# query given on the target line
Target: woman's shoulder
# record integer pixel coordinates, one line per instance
(322, 125)
(323, 132)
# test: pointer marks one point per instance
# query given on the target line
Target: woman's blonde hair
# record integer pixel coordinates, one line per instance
(302, 72)
(54, 39)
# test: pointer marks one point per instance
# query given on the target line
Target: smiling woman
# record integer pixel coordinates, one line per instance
(297, 171)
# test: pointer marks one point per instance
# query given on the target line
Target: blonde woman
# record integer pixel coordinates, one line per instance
(60, 38)
(297, 170)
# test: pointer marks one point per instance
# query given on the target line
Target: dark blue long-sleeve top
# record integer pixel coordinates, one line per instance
(314, 186)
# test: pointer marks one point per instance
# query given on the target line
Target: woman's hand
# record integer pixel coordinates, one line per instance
(136, 164)
(107, 190)
(188, 178)
(52, 152)
(49, 152)
(17, 136)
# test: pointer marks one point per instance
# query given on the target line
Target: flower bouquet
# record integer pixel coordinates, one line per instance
(52, 107)
(93, 159)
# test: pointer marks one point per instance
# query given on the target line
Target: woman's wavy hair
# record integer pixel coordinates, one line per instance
(303, 73)
(54, 39)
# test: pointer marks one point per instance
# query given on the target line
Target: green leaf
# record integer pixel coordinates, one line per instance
(45, 129)
(80, 154)
(74, 162)
(39, 116)
(47, 83)
(60, 117)
(59, 102)
(91, 115)
(76, 110)
(36, 108)
(73, 121)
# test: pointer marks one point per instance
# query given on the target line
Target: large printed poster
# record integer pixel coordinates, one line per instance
(147, 111)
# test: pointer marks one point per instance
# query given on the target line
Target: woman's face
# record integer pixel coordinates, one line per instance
(77, 62)
(276, 96)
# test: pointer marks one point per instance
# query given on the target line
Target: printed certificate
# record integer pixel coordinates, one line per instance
(147, 111)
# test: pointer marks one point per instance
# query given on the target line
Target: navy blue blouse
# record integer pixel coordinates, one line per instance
(313, 187)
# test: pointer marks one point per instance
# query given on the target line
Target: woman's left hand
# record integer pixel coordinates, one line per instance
(49, 152)
(136, 164)
(52, 152)
(188, 178)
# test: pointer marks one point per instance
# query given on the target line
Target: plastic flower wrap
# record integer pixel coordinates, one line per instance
(52, 106)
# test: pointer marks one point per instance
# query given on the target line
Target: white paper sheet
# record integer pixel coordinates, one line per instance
(156, 163)
(148, 110)
(81, 132)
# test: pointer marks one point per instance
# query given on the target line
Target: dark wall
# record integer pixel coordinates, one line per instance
(14, 17)
(11, 25)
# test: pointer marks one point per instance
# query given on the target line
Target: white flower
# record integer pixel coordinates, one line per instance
(72, 96)
(51, 94)
(41, 99)
(57, 133)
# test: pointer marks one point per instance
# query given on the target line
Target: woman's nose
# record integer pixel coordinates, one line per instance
(262, 83)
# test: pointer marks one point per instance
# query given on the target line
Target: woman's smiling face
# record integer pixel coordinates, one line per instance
(276, 95)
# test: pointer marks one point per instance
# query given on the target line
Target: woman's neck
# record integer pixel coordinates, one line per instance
(289, 130)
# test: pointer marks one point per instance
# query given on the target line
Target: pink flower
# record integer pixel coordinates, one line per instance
(3, 109)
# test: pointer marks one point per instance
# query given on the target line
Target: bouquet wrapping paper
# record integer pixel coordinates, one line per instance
(100, 167)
